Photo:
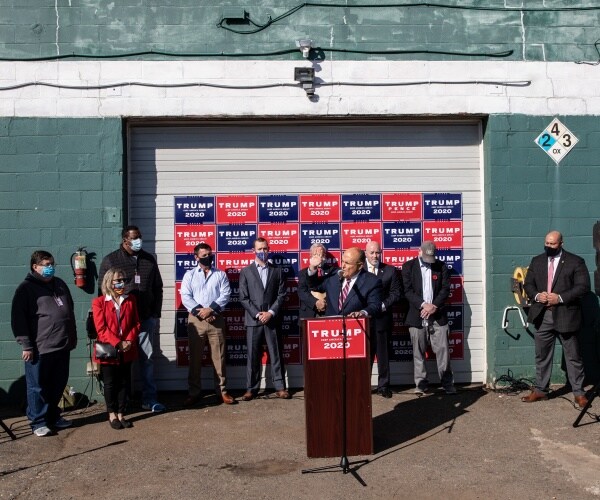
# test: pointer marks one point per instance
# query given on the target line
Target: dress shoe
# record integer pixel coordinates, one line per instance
(534, 396)
(581, 401)
(227, 399)
(115, 424)
(126, 424)
(384, 392)
(191, 400)
(283, 394)
(248, 396)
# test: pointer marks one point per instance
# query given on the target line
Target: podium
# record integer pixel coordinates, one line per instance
(323, 391)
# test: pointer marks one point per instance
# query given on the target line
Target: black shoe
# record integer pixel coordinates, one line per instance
(126, 424)
(115, 424)
(385, 392)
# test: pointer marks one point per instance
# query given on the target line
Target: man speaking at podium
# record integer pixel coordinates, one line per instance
(351, 291)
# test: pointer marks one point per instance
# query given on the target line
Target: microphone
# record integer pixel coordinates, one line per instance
(340, 274)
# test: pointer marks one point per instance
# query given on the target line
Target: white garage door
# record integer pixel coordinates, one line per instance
(296, 157)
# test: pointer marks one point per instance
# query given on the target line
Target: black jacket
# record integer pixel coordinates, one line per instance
(149, 292)
(571, 282)
(307, 300)
(42, 316)
(413, 291)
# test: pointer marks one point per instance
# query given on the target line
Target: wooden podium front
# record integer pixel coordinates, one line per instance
(323, 368)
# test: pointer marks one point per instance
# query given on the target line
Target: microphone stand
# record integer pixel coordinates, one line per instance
(344, 464)
(595, 392)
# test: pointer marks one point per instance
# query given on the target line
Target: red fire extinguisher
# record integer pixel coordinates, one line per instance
(79, 266)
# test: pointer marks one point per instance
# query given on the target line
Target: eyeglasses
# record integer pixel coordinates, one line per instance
(121, 280)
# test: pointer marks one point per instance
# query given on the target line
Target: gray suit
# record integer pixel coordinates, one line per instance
(256, 298)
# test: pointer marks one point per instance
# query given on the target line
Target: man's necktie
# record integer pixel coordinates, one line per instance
(319, 272)
(550, 274)
(344, 294)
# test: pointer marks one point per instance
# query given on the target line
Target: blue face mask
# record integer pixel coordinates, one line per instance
(136, 245)
(262, 256)
(119, 286)
(47, 271)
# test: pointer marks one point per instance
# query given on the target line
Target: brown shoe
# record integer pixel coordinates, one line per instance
(283, 394)
(191, 400)
(227, 399)
(581, 401)
(534, 396)
(248, 396)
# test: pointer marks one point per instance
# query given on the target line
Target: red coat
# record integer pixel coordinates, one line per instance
(105, 319)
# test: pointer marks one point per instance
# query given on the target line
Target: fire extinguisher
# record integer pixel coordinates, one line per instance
(79, 266)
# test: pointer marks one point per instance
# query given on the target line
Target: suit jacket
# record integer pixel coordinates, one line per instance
(364, 295)
(412, 281)
(307, 300)
(255, 298)
(112, 332)
(571, 282)
(391, 281)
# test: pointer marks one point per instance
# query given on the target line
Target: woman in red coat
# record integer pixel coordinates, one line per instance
(117, 323)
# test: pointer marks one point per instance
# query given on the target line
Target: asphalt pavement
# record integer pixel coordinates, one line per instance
(478, 444)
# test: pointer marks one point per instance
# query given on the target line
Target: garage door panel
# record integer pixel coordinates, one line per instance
(168, 161)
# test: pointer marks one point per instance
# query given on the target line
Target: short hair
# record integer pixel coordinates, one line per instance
(126, 230)
(202, 246)
(106, 285)
(38, 256)
(314, 246)
(260, 239)
(362, 257)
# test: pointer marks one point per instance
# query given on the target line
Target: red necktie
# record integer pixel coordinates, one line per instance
(344, 294)
(319, 272)
(550, 274)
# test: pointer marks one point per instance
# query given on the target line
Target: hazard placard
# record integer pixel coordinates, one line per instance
(557, 140)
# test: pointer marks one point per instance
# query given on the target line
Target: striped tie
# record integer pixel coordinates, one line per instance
(344, 294)
(550, 274)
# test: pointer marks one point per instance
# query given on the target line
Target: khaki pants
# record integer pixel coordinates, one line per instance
(199, 331)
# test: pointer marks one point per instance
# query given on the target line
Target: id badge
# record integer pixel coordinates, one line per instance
(137, 280)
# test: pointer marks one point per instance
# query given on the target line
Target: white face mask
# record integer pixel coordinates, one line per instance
(136, 245)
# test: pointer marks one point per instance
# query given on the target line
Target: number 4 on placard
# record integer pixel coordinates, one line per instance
(557, 140)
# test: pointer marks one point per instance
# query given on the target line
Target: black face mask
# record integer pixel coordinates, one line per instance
(552, 252)
(206, 261)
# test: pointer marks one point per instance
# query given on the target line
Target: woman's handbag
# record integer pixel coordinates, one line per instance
(105, 351)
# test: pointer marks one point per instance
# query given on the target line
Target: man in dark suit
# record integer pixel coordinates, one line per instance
(555, 283)
(262, 293)
(353, 291)
(381, 324)
(312, 303)
(426, 282)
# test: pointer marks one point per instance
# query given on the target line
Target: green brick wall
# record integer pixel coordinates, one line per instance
(527, 195)
(37, 28)
(61, 180)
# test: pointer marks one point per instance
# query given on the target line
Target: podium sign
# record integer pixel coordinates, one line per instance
(325, 389)
(325, 339)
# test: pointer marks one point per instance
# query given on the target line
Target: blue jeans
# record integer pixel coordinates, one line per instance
(46, 377)
(146, 363)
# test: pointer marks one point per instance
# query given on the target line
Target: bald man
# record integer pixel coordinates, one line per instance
(555, 283)
(362, 290)
(381, 324)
